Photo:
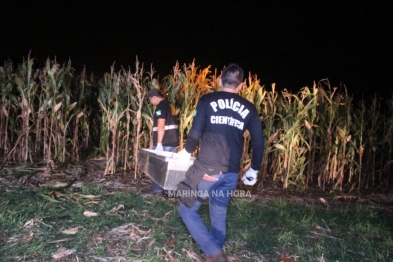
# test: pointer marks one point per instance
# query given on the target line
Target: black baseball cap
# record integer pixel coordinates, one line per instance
(154, 92)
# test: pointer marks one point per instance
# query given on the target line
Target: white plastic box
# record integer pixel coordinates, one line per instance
(162, 167)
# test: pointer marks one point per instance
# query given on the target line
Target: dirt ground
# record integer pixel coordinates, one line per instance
(92, 172)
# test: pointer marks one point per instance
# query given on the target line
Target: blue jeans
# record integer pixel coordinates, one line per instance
(156, 187)
(220, 192)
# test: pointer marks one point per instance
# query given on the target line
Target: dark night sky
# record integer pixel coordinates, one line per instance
(291, 43)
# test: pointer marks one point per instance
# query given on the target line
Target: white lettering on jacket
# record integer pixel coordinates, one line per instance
(230, 104)
(227, 120)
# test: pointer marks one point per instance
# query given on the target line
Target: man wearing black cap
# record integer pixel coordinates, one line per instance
(165, 128)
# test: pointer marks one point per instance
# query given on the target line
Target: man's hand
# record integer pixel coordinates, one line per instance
(250, 177)
(159, 147)
(183, 156)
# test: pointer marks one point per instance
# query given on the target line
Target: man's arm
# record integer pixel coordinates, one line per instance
(160, 130)
(257, 142)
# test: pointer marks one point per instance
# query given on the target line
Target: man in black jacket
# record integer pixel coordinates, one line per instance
(218, 126)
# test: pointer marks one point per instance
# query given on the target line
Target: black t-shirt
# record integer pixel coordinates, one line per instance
(220, 120)
(166, 111)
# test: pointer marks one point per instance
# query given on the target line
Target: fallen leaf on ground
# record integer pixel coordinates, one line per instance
(55, 184)
(92, 203)
(191, 254)
(323, 201)
(29, 223)
(62, 252)
(60, 240)
(90, 214)
(87, 196)
(70, 231)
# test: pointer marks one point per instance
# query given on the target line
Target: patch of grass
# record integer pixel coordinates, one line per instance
(33, 226)
(91, 189)
(304, 232)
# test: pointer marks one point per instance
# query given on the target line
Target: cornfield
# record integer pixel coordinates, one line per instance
(318, 136)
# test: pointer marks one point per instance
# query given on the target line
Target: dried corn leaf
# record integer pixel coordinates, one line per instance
(57, 107)
(29, 223)
(279, 146)
(70, 107)
(51, 199)
(361, 150)
(71, 231)
(90, 214)
(59, 194)
(272, 137)
(25, 102)
(62, 252)
(341, 133)
(115, 209)
(54, 68)
(55, 184)
(191, 254)
(5, 112)
(92, 203)
(307, 124)
(323, 201)
(60, 240)
(87, 196)
(169, 255)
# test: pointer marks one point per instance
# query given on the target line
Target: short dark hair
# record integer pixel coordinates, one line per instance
(232, 75)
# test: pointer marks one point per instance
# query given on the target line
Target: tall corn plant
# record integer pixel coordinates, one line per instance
(292, 143)
(268, 112)
(57, 109)
(253, 92)
(187, 87)
(326, 122)
(175, 94)
(310, 123)
(89, 124)
(387, 140)
(80, 127)
(7, 100)
(136, 86)
(26, 87)
(148, 109)
(335, 135)
(343, 150)
(290, 123)
(374, 136)
(126, 116)
(358, 141)
(114, 104)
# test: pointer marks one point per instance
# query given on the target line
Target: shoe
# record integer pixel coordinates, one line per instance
(219, 257)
